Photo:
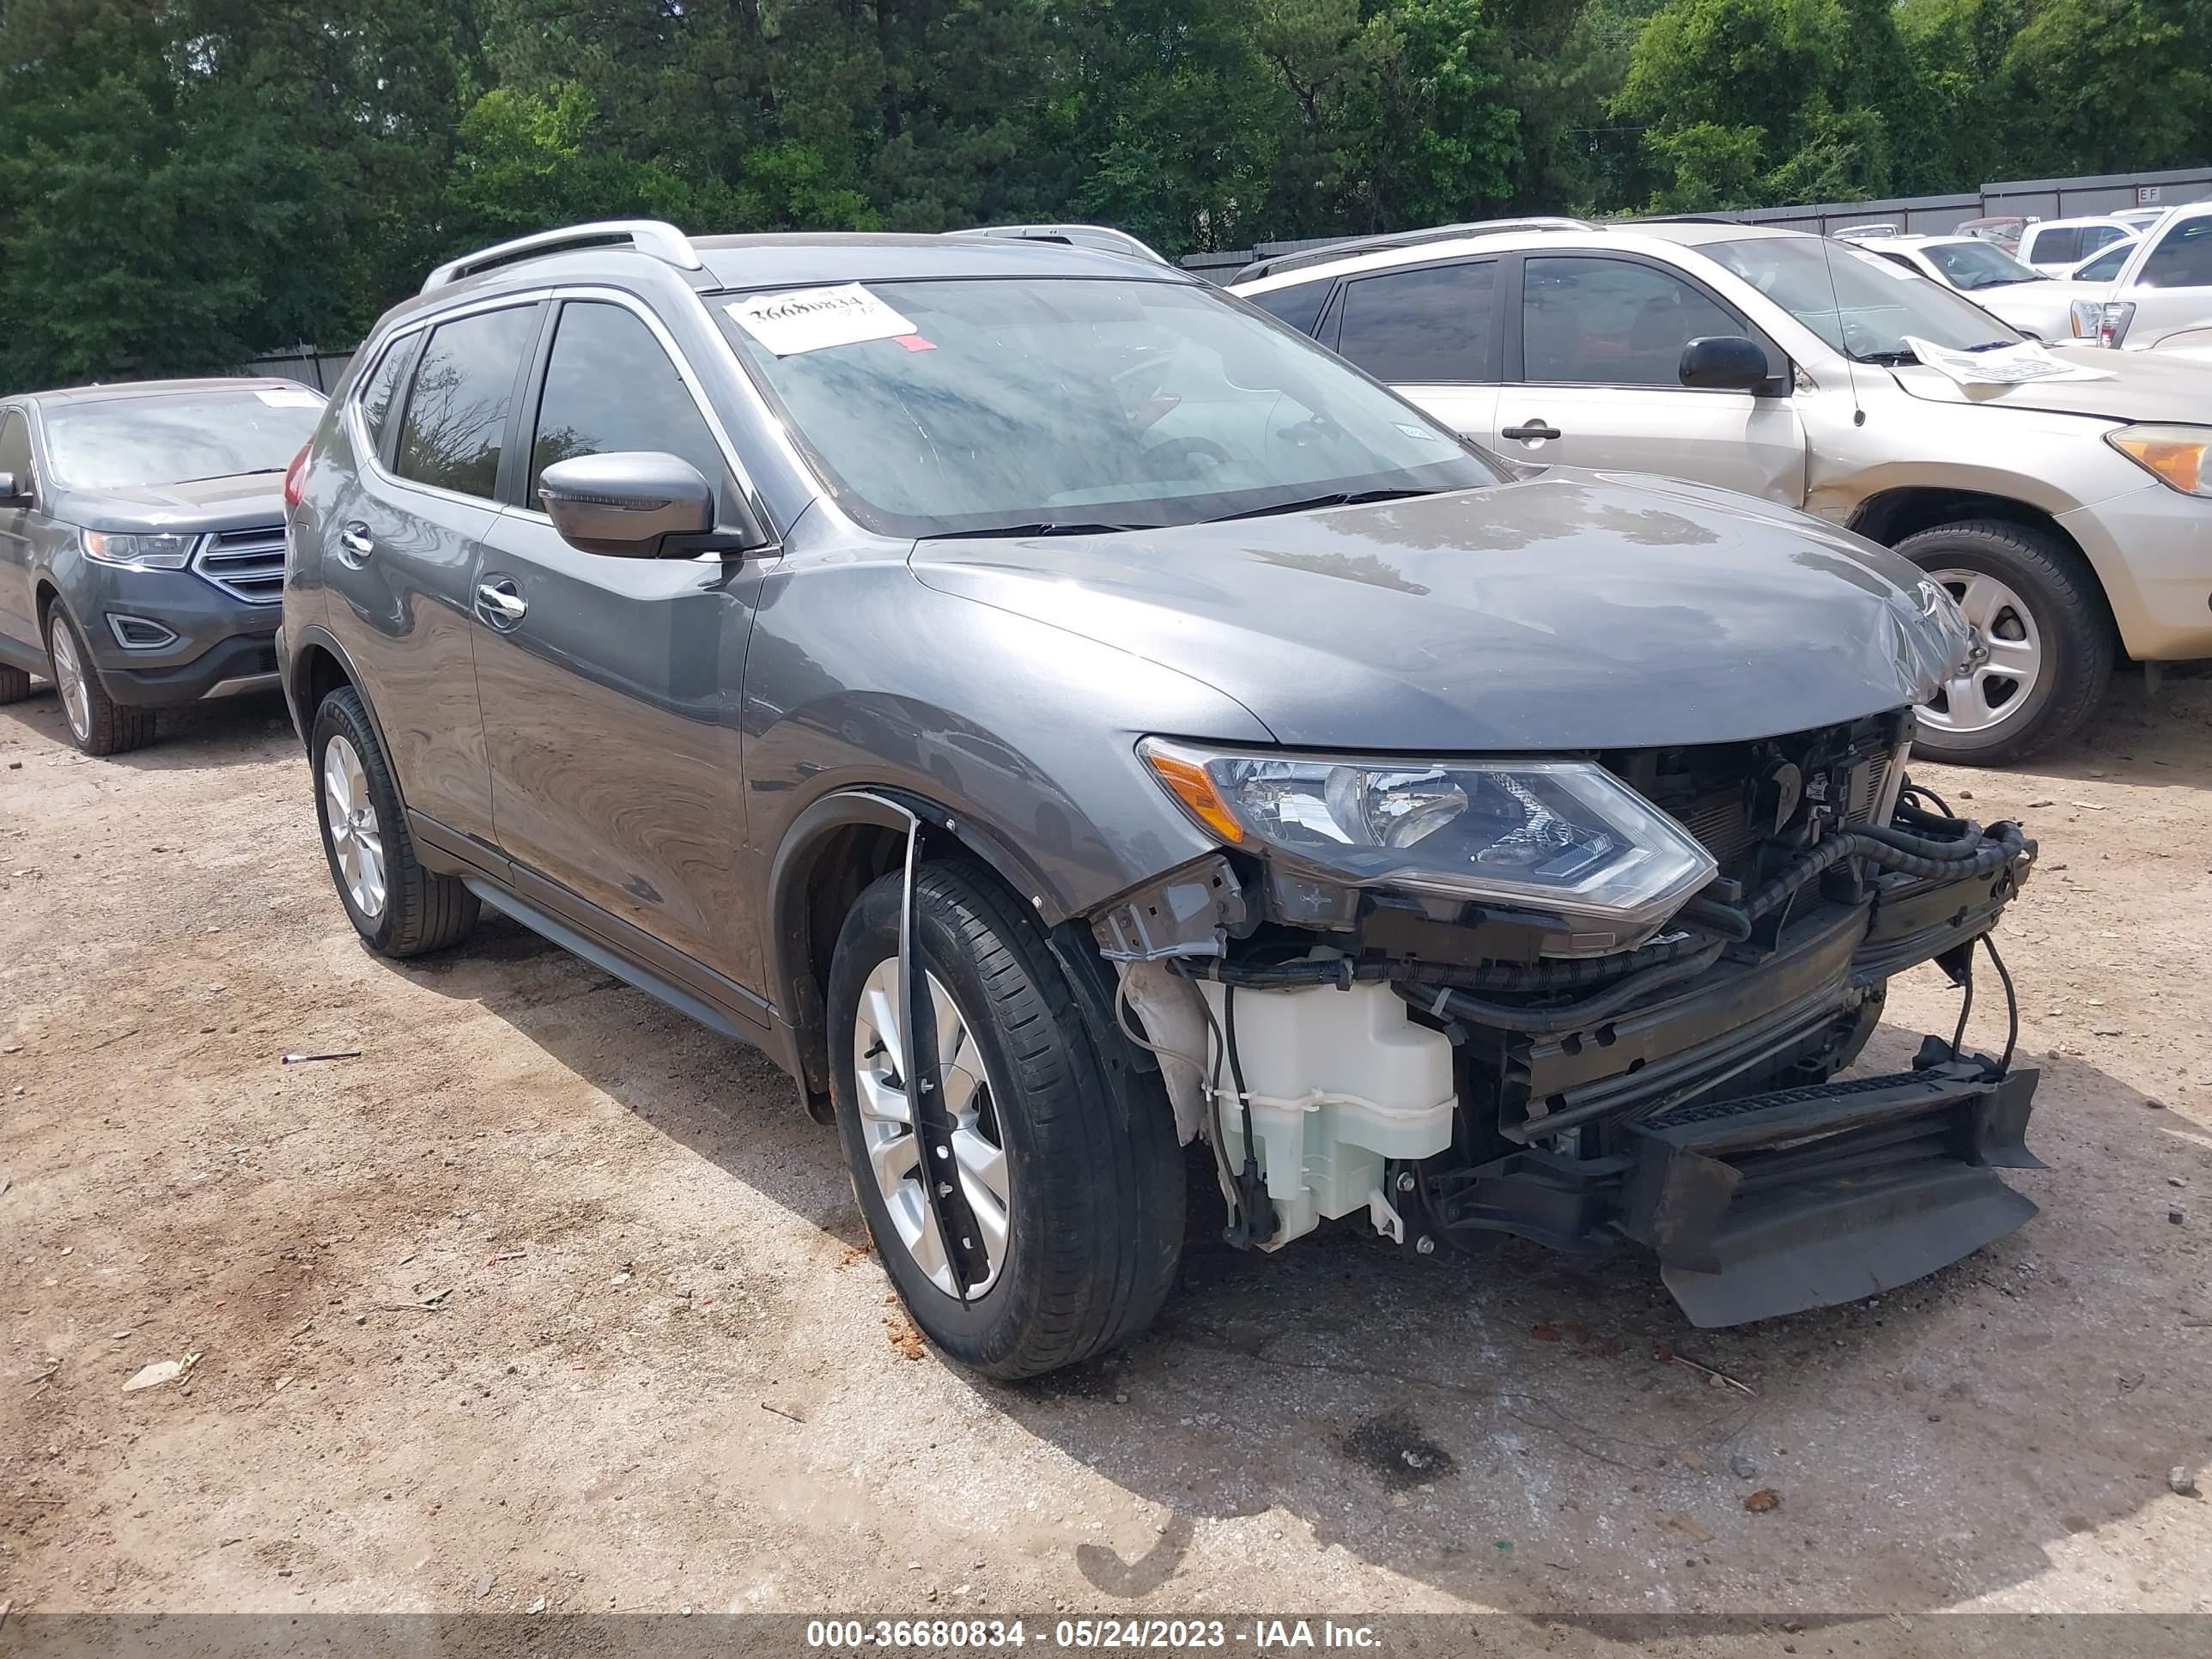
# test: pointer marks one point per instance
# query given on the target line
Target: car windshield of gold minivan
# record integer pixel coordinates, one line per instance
(935, 408)
(117, 443)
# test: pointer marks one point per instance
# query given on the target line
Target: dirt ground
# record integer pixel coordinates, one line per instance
(550, 1294)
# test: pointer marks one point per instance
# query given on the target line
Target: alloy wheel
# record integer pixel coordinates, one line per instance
(887, 1128)
(2008, 658)
(68, 679)
(356, 837)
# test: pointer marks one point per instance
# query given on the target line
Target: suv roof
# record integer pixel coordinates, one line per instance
(711, 263)
(1275, 264)
(121, 390)
(1451, 238)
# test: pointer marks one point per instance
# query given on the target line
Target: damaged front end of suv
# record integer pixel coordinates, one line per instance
(1587, 998)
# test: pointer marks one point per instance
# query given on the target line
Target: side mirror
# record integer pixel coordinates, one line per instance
(12, 493)
(630, 504)
(1725, 362)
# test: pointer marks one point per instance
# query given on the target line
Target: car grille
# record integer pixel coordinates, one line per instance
(247, 564)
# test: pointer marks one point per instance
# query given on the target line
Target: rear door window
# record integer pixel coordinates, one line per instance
(459, 400)
(1298, 305)
(610, 386)
(2183, 259)
(1611, 322)
(1425, 326)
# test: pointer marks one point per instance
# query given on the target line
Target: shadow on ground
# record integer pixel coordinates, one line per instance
(1529, 1431)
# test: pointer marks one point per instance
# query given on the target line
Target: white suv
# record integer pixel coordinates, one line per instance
(2161, 298)
(2070, 518)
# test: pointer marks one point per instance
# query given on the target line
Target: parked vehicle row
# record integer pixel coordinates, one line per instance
(142, 546)
(1061, 716)
(2070, 517)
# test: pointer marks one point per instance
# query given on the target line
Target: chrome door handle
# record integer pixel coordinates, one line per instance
(1535, 427)
(354, 539)
(500, 604)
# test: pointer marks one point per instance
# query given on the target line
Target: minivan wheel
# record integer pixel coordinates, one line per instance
(1076, 1188)
(15, 683)
(97, 723)
(398, 907)
(2045, 637)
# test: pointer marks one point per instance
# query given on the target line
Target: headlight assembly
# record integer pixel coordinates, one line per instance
(140, 552)
(2178, 455)
(1564, 838)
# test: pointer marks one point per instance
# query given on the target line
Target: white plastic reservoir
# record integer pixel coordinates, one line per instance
(1339, 1079)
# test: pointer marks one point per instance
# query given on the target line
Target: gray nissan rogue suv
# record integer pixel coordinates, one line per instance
(142, 545)
(1062, 715)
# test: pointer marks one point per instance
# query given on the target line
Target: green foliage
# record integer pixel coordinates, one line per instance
(185, 183)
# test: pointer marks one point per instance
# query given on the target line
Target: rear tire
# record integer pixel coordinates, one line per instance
(398, 907)
(15, 683)
(97, 723)
(1092, 1179)
(2043, 606)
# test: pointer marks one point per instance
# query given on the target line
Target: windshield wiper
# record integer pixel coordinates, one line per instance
(1046, 528)
(1896, 359)
(250, 472)
(1341, 498)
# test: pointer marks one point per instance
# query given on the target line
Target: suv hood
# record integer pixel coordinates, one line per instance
(2140, 386)
(202, 504)
(1573, 610)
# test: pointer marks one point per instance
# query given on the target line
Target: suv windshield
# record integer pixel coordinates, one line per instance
(1856, 302)
(1972, 265)
(1075, 402)
(125, 443)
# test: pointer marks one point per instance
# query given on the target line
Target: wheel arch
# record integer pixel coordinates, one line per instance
(1889, 516)
(833, 849)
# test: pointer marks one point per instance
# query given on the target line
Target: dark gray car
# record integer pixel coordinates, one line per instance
(142, 545)
(1061, 715)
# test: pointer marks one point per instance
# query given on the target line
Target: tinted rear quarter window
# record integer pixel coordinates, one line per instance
(1298, 305)
(379, 398)
(458, 401)
(1431, 325)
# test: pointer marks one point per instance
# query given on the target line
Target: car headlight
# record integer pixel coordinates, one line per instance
(2178, 455)
(1560, 837)
(162, 552)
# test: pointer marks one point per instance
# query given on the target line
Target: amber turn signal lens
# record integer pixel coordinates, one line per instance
(1190, 782)
(2179, 461)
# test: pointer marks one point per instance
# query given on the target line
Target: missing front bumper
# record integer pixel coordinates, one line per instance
(1809, 1197)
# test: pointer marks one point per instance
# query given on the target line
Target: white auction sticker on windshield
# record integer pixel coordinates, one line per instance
(302, 399)
(813, 318)
(2012, 365)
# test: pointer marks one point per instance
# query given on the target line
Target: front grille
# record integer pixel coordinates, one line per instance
(247, 564)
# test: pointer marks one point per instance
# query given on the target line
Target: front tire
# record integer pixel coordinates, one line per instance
(97, 723)
(398, 907)
(1076, 1186)
(2037, 609)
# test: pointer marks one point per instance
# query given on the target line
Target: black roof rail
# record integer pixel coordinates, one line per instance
(663, 242)
(1677, 219)
(1275, 264)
